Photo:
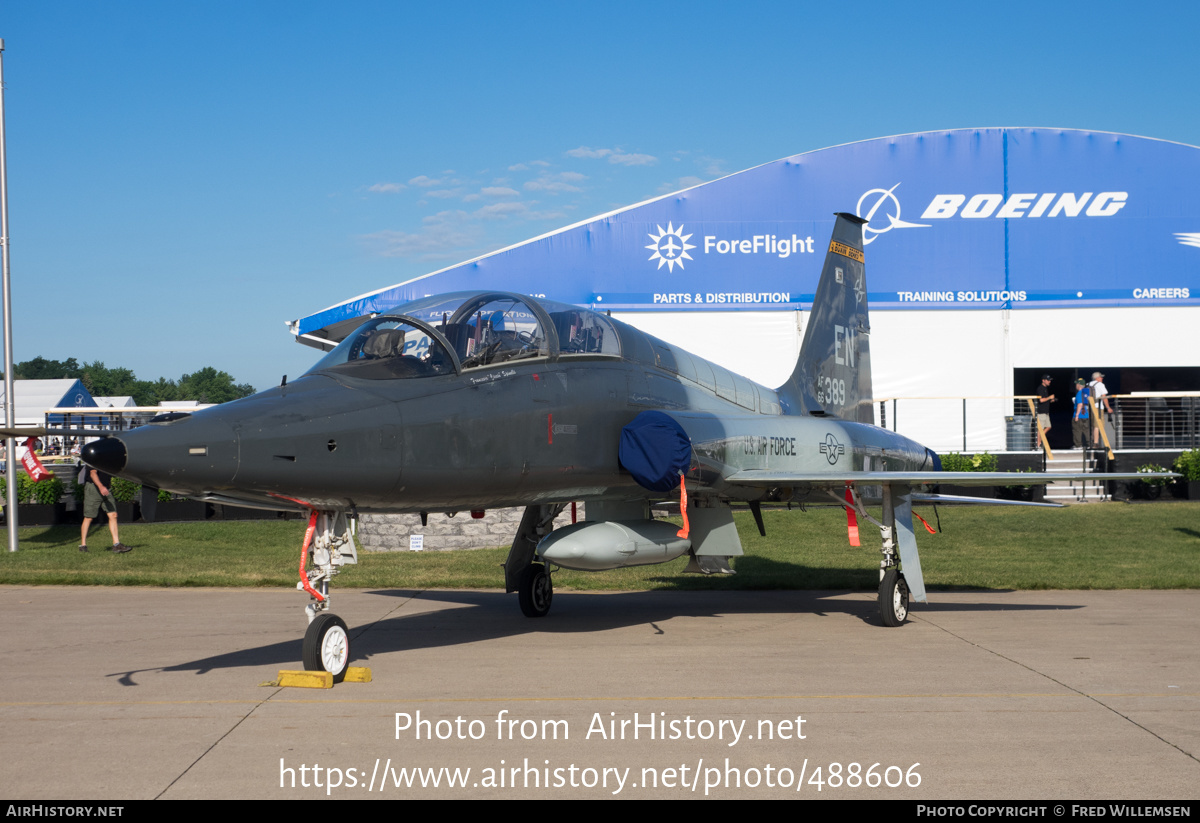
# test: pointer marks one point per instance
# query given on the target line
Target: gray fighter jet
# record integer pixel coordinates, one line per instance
(470, 401)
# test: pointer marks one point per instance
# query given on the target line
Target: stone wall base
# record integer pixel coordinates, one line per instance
(393, 532)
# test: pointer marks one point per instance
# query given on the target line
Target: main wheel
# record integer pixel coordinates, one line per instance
(893, 598)
(327, 646)
(536, 591)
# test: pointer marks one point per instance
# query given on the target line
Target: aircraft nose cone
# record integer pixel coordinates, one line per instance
(107, 454)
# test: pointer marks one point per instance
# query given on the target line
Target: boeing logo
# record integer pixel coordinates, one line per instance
(670, 247)
(1189, 238)
(943, 206)
(886, 198)
(1052, 204)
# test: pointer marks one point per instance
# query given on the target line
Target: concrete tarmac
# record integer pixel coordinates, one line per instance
(128, 693)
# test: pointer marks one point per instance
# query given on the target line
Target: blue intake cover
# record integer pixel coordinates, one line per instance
(655, 450)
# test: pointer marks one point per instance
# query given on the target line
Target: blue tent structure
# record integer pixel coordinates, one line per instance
(1009, 218)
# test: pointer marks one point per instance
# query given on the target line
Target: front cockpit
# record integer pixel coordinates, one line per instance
(459, 332)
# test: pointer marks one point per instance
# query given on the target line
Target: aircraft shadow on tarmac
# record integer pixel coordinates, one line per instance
(488, 615)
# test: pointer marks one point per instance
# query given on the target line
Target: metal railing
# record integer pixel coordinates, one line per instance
(1161, 420)
(1170, 420)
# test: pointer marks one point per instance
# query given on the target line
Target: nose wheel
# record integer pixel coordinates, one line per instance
(327, 646)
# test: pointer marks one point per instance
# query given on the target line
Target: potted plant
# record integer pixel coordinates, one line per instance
(38, 504)
(170, 507)
(1151, 488)
(1030, 493)
(982, 462)
(223, 512)
(128, 496)
(1188, 465)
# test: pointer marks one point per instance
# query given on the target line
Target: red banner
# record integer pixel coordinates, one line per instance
(37, 472)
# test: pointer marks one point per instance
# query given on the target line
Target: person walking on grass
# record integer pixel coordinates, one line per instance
(97, 497)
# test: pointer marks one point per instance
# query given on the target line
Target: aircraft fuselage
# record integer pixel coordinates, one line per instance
(524, 431)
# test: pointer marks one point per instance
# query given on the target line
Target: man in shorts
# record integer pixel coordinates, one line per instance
(98, 497)
(1045, 398)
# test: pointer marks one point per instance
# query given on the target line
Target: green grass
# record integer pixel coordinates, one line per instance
(1094, 546)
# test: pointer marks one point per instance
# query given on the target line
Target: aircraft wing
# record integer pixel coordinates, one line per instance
(56, 431)
(766, 478)
(920, 499)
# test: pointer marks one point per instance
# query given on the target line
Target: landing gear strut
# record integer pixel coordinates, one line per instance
(330, 545)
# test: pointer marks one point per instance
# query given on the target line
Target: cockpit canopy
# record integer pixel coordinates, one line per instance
(387, 348)
(458, 332)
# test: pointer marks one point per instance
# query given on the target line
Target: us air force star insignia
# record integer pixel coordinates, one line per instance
(832, 449)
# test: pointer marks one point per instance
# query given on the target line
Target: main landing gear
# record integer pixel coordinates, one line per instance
(522, 574)
(893, 591)
(329, 544)
(897, 545)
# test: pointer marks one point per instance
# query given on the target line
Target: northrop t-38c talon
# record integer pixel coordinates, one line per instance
(472, 401)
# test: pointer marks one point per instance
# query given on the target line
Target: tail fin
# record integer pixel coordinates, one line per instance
(833, 372)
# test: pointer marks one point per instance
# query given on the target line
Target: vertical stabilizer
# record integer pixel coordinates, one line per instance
(833, 372)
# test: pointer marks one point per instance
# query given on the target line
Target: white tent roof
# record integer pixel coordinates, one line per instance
(34, 397)
(118, 402)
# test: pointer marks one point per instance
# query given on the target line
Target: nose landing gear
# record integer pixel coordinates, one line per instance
(329, 543)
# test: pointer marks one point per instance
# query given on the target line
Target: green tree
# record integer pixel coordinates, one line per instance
(211, 386)
(160, 391)
(105, 382)
(206, 385)
(39, 368)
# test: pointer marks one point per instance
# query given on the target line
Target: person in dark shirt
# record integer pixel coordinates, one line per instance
(1045, 398)
(98, 497)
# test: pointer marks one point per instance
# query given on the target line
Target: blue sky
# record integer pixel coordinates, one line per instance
(185, 177)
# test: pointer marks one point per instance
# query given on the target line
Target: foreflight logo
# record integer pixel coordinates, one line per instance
(670, 247)
(885, 198)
